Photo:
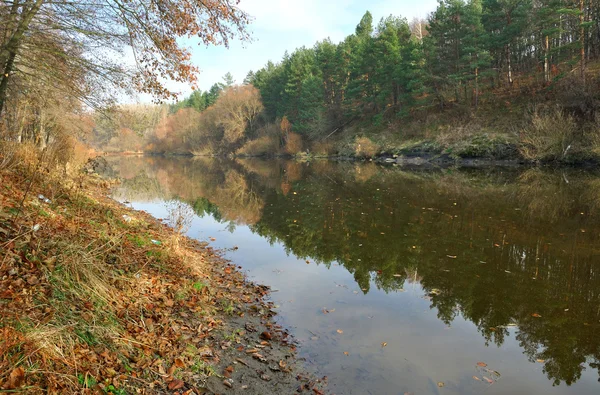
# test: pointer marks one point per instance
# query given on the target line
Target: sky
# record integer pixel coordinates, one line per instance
(284, 25)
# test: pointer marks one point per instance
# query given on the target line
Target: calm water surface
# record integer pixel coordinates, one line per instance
(396, 281)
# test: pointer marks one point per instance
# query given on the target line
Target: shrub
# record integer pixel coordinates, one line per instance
(293, 143)
(549, 136)
(8, 155)
(266, 145)
(484, 146)
(322, 148)
(365, 148)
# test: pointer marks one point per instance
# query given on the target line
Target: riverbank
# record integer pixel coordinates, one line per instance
(99, 298)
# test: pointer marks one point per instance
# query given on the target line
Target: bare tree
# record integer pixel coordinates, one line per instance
(107, 31)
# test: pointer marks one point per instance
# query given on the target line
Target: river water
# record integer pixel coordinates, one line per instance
(395, 280)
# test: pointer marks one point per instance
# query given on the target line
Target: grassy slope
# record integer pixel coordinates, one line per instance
(89, 303)
(494, 131)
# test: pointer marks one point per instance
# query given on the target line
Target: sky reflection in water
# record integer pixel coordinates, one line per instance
(426, 272)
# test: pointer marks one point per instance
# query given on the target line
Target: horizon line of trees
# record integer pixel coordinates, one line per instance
(464, 50)
(465, 53)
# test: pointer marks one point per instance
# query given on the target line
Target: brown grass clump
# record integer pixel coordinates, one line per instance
(8, 155)
(549, 136)
(322, 149)
(365, 147)
(293, 143)
(265, 145)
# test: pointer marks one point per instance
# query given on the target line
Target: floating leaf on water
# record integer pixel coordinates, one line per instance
(482, 364)
(383, 344)
(340, 331)
(540, 360)
(440, 384)
(346, 353)
(489, 380)
(476, 378)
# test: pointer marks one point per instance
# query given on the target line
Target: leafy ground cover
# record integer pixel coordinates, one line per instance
(98, 298)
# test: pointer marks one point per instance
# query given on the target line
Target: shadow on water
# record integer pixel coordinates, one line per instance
(511, 254)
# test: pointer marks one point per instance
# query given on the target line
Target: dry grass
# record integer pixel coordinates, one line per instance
(293, 143)
(453, 134)
(265, 145)
(8, 155)
(364, 147)
(322, 148)
(87, 287)
(549, 136)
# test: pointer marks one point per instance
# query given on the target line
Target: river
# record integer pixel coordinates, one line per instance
(395, 280)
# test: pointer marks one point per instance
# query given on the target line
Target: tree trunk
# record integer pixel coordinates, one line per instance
(546, 60)
(509, 65)
(582, 40)
(11, 48)
(476, 87)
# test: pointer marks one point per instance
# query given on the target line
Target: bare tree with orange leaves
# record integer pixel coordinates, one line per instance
(107, 31)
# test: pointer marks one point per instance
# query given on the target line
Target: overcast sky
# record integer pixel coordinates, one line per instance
(280, 25)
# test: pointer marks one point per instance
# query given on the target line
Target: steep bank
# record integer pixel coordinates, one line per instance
(98, 298)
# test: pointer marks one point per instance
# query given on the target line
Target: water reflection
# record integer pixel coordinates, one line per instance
(514, 252)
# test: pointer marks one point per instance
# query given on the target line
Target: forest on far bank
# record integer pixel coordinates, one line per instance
(498, 78)
(476, 78)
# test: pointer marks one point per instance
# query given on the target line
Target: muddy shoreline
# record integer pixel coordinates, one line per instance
(252, 353)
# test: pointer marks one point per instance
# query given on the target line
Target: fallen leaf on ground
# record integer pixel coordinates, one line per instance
(489, 380)
(536, 315)
(176, 384)
(15, 380)
(540, 360)
(476, 378)
(179, 363)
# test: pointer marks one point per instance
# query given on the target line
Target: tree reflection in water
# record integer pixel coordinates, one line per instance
(499, 247)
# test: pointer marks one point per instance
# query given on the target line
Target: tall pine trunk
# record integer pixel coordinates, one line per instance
(582, 39)
(546, 59)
